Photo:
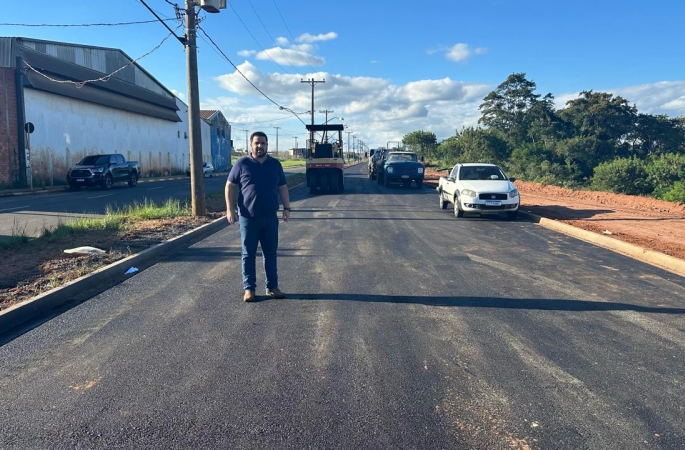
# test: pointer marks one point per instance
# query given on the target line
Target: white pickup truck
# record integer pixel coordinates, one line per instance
(479, 188)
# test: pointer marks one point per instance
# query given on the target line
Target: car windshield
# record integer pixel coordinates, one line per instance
(94, 160)
(481, 173)
(402, 157)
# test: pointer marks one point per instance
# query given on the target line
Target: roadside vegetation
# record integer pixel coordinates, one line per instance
(116, 221)
(597, 141)
(285, 162)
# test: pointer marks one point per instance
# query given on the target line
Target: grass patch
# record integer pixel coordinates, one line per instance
(292, 163)
(149, 210)
(114, 221)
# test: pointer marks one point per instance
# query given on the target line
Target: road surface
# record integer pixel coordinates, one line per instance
(404, 328)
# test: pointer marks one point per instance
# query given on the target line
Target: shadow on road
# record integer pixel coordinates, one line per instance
(490, 302)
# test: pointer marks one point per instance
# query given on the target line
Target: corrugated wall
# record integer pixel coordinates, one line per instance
(66, 130)
(103, 60)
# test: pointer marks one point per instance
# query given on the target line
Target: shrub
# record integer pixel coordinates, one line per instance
(676, 193)
(623, 176)
(664, 170)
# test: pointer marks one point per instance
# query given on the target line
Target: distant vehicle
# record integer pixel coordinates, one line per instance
(479, 188)
(207, 170)
(401, 167)
(104, 171)
(374, 161)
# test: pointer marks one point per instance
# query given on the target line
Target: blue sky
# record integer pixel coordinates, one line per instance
(389, 67)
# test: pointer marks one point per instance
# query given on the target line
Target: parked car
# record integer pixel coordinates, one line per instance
(479, 188)
(207, 169)
(104, 171)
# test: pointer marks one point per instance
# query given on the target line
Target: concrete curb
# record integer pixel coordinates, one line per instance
(102, 279)
(657, 259)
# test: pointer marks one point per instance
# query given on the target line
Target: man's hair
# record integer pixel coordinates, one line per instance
(260, 134)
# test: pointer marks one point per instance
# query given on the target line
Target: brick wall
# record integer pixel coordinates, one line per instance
(9, 144)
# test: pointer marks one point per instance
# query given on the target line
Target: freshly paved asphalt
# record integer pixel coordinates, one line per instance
(404, 328)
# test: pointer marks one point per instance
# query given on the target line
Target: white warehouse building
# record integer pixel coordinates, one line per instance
(129, 112)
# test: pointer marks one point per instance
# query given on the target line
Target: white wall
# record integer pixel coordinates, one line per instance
(66, 130)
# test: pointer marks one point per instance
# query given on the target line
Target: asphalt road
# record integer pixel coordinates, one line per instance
(404, 328)
(31, 214)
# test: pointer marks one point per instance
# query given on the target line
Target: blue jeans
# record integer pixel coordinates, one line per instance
(262, 230)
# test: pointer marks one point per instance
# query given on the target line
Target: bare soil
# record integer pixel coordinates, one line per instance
(649, 223)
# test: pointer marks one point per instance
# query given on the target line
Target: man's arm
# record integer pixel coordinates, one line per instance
(231, 194)
(285, 201)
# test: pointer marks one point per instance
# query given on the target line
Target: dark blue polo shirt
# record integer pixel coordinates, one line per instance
(257, 185)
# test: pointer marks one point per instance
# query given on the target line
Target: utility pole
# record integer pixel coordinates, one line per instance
(313, 82)
(277, 141)
(348, 140)
(247, 145)
(295, 152)
(197, 185)
(325, 134)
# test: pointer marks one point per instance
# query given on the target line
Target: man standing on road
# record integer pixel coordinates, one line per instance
(253, 188)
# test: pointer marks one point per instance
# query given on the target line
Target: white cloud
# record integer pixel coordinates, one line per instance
(663, 97)
(282, 42)
(287, 56)
(378, 110)
(375, 109)
(246, 53)
(459, 52)
(309, 38)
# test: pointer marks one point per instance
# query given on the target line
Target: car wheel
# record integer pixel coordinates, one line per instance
(107, 184)
(457, 208)
(511, 215)
(419, 184)
(386, 181)
(133, 181)
(443, 203)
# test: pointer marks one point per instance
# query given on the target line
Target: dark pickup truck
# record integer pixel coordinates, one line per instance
(401, 167)
(104, 171)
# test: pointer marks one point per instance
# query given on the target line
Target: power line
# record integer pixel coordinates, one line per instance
(293, 37)
(247, 79)
(255, 39)
(182, 40)
(272, 38)
(78, 24)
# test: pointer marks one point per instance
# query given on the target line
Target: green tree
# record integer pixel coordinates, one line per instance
(539, 162)
(421, 142)
(601, 115)
(513, 106)
(656, 135)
